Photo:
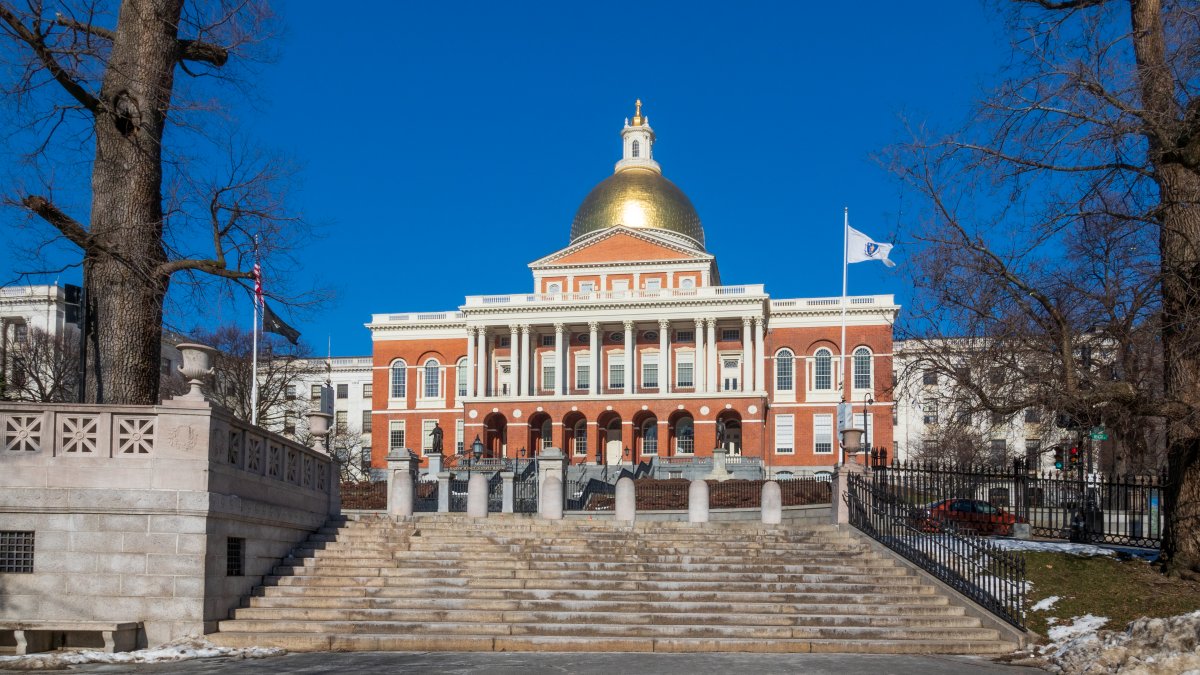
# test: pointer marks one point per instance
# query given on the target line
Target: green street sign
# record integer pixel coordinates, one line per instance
(1100, 435)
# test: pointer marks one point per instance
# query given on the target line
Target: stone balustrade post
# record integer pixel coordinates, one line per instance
(477, 496)
(626, 507)
(551, 462)
(402, 464)
(698, 501)
(839, 509)
(550, 499)
(507, 493)
(335, 487)
(443, 492)
(772, 503)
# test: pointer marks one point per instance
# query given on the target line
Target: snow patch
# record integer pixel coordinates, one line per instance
(1045, 604)
(1082, 626)
(1146, 647)
(182, 649)
(1051, 547)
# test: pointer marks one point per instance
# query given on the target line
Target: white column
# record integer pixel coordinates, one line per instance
(594, 345)
(630, 357)
(484, 363)
(760, 355)
(700, 360)
(514, 341)
(523, 388)
(713, 370)
(560, 372)
(470, 374)
(664, 356)
(747, 356)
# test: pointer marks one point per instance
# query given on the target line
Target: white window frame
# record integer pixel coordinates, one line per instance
(460, 377)
(649, 425)
(856, 359)
(583, 364)
(396, 427)
(823, 352)
(398, 392)
(460, 436)
(427, 442)
(785, 434)
(554, 287)
(549, 367)
(691, 445)
(822, 422)
(616, 364)
(579, 439)
(731, 334)
(368, 390)
(785, 356)
(685, 358)
(438, 386)
(653, 284)
(687, 282)
(587, 287)
(650, 362)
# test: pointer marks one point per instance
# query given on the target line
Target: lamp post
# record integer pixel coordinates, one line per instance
(867, 403)
(477, 448)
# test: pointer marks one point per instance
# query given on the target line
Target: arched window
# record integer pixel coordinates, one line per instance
(431, 379)
(785, 367)
(637, 148)
(554, 288)
(650, 437)
(823, 370)
(581, 438)
(687, 282)
(685, 437)
(460, 375)
(862, 368)
(399, 379)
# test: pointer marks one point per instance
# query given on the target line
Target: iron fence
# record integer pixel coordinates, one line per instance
(974, 566)
(1095, 508)
(525, 493)
(671, 494)
(425, 497)
(364, 495)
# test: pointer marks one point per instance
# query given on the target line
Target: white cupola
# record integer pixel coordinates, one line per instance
(638, 140)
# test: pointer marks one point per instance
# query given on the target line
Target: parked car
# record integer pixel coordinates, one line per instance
(966, 515)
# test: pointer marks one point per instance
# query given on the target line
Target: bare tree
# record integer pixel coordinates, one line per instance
(114, 86)
(1061, 231)
(44, 367)
(345, 444)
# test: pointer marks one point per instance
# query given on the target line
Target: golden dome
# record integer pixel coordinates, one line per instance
(637, 197)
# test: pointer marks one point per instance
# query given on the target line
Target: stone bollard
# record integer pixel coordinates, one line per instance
(443, 492)
(1021, 531)
(402, 464)
(839, 487)
(550, 503)
(772, 503)
(508, 493)
(698, 501)
(477, 496)
(626, 509)
(551, 462)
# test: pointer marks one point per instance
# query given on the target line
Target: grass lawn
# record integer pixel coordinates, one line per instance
(1103, 586)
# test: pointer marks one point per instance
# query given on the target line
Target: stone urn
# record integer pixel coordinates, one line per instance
(197, 365)
(318, 426)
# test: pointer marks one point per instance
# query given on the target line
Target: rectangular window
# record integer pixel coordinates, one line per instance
(396, 435)
(235, 556)
(366, 421)
(459, 441)
(862, 371)
(650, 371)
(16, 552)
(547, 340)
(785, 434)
(365, 458)
(730, 334)
(1033, 416)
(1033, 452)
(289, 422)
(581, 439)
(343, 391)
(399, 380)
(650, 439)
(505, 341)
(654, 284)
(583, 372)
(822, 434)
(685, 336)
(460, 378)
(929, 412)
(20, 332)
(620, 284)
(929, 377)
(340, 420)
(368, 390)
(999, 449)
(547, 374)
(683, 371)
(291, 392)
(315, 392)
(587, 286)
(432, 375)
(616, 372)
(998, 418)
(426, 430)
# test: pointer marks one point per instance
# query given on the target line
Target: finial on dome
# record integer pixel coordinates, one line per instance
(637, 115)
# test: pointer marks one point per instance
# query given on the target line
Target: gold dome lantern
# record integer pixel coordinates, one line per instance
(638, 198)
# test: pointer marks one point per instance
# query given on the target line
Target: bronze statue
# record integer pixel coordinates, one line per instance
(720, 433)
(436, 434)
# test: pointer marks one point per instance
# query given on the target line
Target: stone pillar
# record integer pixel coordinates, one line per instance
(664, 356)
(772, 504)
(747, 356)
(507, 494)
(626, 508)
(698, 501)
(560, 371)
(594, 360)
(551, 464)
(523, 387)
(760, 355)
(713, 368)
(470, 374)
(477, 496)
(481, 355)
(401, 464)
(630, 357)
(514, 344)
(550, 499)
(443, 479)
(838, 492)
(698, 366)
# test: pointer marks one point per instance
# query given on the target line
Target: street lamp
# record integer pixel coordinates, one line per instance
(870, 401)
(477, 448)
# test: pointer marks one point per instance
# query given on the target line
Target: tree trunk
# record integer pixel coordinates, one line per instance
(125, 287)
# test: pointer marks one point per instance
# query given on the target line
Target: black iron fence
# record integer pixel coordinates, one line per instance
(364, 495)
(425, 498)
(671, 494)
(1094, 508)
(974, 566)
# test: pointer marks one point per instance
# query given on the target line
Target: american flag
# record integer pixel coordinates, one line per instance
(258, 292)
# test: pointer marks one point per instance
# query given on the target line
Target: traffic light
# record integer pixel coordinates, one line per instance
(1074, 457)
(1058, 457)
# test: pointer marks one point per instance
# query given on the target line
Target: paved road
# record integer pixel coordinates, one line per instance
(575, 664)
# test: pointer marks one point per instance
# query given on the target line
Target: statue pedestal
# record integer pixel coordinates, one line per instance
(719, 472)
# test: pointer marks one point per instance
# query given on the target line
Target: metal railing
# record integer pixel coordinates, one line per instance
(364, 495)
(972, 565)
(671, 494)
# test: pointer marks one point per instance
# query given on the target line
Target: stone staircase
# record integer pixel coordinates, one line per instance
(449, 583)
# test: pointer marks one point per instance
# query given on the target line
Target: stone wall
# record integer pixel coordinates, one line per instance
(132, 508)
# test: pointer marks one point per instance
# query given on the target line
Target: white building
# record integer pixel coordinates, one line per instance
(350, 381)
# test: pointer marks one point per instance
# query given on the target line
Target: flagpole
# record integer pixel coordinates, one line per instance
(845, 265)
(254, 341)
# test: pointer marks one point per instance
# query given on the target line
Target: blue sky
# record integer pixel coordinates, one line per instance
(444, 145)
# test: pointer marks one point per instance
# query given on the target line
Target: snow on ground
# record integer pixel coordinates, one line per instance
(1045, 604)
(1082, 626)
(1051, 547)
(182, 649)
(1146, 647)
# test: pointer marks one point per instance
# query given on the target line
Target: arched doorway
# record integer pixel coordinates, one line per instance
(611, 446)
(541, 433)
(495, 435)
(683, 434)
(645, 436)
(733, 431)
(574, 438)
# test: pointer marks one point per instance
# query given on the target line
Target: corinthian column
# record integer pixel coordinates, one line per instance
(630, 357)
(594, 343)
(698, 380)
(470, 374)
(664, 356)
(747, 356)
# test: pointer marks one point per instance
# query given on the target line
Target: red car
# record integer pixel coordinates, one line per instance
(967, 515)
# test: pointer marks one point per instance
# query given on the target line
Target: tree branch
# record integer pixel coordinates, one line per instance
(213, 267)
(206, 52)
(1064, 4)
(44, 54)
(97, 31)
(70, 227)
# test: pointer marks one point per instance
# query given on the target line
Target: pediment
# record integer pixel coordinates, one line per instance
(622, 245)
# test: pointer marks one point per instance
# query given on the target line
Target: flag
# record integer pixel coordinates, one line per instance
(258, 292)
(273, 324)
(861, 248)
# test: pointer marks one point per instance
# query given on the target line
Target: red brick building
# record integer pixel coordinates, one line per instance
(629, 346)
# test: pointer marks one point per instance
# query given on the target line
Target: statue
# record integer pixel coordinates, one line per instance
(436, 435)
(720, 433)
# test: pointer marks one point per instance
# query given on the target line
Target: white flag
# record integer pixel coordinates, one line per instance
(861, 248)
